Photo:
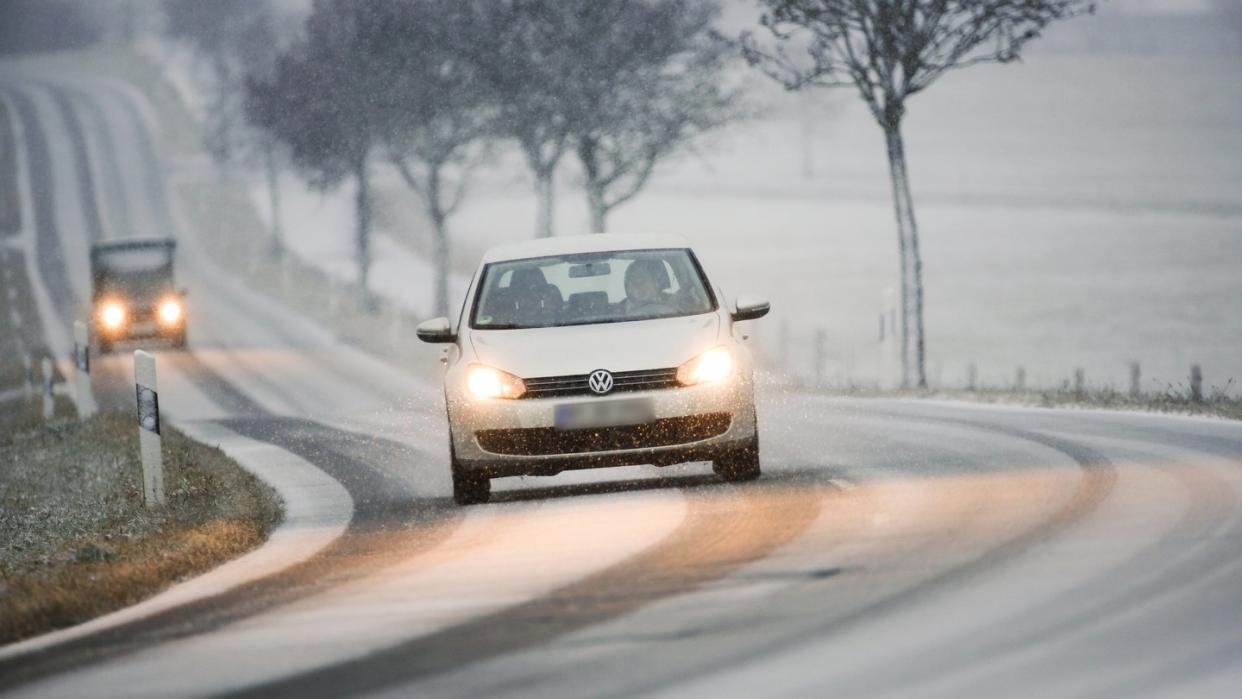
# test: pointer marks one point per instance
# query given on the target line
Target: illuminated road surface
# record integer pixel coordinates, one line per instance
(891, 546)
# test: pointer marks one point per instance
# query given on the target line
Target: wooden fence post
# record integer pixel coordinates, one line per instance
(49, 403)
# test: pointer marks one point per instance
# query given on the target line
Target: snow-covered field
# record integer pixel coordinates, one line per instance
(1076, 211)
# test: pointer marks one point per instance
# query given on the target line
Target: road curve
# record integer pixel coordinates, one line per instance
(899, 547)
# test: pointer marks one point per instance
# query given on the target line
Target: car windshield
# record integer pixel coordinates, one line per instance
(136, 272)
(585, 288)
(136, 259)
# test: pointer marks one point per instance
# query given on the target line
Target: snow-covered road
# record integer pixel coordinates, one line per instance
(901, 547)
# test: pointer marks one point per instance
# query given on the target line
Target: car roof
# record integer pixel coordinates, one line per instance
(570, 244)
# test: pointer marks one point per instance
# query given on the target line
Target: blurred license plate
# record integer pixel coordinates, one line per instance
(603, 413)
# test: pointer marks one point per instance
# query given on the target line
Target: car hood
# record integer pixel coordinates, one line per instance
(580, 349)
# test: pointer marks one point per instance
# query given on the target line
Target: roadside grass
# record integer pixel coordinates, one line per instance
(76, 540)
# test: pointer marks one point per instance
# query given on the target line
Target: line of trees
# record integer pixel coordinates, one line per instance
(233, 41)
(428, 86)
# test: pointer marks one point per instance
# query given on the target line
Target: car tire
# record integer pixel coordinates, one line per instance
(740, 464)
(105, 347)
(178, 340)
(468, 488)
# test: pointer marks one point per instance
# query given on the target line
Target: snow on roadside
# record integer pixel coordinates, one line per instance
(319, 231)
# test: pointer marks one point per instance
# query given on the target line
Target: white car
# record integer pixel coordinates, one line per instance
(590, 351)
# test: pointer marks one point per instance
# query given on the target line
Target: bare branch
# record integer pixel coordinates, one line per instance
(891, 49)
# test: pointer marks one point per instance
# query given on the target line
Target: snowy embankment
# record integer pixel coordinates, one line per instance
(1069, 219)
(319, 231)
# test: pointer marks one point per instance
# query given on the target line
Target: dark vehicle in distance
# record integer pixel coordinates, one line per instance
(133, 292)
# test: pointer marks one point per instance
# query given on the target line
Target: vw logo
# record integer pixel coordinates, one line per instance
(600, 381)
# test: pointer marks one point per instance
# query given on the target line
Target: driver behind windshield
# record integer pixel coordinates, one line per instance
(645, 282)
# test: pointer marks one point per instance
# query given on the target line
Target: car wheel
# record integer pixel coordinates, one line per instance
(179, 340)
(468, 488)
(740, 464)
(105, 347)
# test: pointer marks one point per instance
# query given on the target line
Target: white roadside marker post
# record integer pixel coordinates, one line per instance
(149, 428)
(48, 404)
(82, 371)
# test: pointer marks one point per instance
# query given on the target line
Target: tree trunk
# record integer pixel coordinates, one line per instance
(599, 211)
(440, 243)
(440, 253)
(362, 231)
(273, 194)
(545, 188)
(594, 188)
(912, 343)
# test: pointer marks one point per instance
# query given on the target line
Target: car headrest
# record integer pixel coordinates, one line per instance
(528, 279)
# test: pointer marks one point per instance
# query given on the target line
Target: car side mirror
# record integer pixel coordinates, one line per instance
(435, 330)
(748, 307)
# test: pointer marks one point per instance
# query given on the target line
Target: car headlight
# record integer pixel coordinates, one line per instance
(170, 311)
(714, 365)
(486, 382)
(112, 314)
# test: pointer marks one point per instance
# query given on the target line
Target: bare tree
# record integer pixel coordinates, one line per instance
(518, 51)
(323, 102)
(647, 79)
(235, 40)
(889, 50)
(436, 113)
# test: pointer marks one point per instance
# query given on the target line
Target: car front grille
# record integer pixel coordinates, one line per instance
(576, 384)
(546, 441)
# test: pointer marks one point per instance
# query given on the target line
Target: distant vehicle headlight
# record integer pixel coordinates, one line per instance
(112, 315)
(170, 311)
(486, 382)
(714, 365)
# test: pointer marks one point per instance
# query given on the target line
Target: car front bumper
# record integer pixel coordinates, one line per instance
(519, 437)
(141, 323)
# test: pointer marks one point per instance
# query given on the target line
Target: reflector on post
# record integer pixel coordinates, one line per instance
(148, 402)
(82, 371)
